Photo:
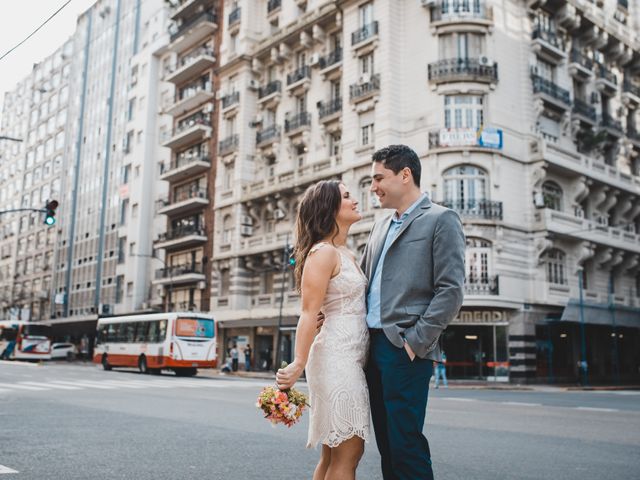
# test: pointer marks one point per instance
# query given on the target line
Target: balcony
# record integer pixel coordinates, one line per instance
(548, 44)
(190, 129)
(630, 94)
(267, 135)
(364, 89)
(453, 13)
(634, 136)
(463, 70)
(191, 65)
(269, 91)
(297, 122)
(230, 100)
(193, 31)
(180, 274)
(482, 286)
(610, 125)
(186, 8)
(606, 81)
(184, 201)
(366, 33)
(580, 66)
(299, 76)
(191, 97)
(234, 19)
(228, 145)
(273, 5)
(185, 167)
(329, 110)
(554, 96)
(181, 238)
(331, 60)
(585, 112)
(475, 209)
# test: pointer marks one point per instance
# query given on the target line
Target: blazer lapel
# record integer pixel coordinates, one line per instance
(422, 208)
(378, 244)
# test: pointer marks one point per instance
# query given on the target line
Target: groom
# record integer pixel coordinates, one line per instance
(414, 261)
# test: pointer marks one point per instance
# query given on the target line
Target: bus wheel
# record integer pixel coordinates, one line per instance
(105, 363)
(142, 364)
(186, 372)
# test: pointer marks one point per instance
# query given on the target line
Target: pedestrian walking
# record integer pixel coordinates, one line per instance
(247, 357)
(440, 370)
(234, 357)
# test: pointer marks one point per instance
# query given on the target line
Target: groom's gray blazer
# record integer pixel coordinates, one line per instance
(422, 281)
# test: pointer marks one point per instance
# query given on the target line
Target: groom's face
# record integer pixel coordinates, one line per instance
(388, 186)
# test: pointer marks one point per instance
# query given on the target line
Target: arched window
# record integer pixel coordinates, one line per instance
(465, 186)
(227, 229)
(555, 262)
(478, 261)
(364, 195)
(552, 194)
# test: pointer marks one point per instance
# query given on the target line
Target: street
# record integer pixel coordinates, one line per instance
(75, 421)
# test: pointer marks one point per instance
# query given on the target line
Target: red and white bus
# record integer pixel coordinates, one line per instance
(22, 340)
(180, 341)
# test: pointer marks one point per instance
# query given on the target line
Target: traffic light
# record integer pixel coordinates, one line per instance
(50, 212)
(289, 255)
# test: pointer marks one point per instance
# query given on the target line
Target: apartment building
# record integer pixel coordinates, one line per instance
(535, 150)
(35, 117)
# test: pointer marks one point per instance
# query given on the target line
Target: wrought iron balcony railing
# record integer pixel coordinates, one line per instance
(273, 4)
(482, 209)
(234, 16)
(180, 161)
(194, 55)
(230, 99)
(195, 119)
(358, 90)
(607, 121)
(578, 57)
(177, 270)
(271, 87)
(548, 36)
(542, 85)
(633, 134)
(299, 74)
(328, 108)
(297, 121)
(228, 144)
(364, 33)
(629, 87)
(331, 59)
(583, 108)
(203, 17)
(181, 232)
(482, 285)
(268, 133)
(605, 74)
(471, 69)
(182, 194)
(453, 10)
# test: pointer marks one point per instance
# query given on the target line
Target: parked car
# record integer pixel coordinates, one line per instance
(61, 351)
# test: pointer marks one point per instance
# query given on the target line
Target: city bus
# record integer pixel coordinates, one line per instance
(178, 341)
(22, 340)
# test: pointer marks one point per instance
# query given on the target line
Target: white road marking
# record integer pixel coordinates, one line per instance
(50, 385)
(20, 387)
(459, 399)
(4, 469)
(523, 404)
(85, 384)
(596, 409)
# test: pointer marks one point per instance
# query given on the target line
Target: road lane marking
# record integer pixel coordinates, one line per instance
(21, 387)
(459, 399)
(4, 469)
(85, 384)
(597, 409)
(50, 385)
(523, 404)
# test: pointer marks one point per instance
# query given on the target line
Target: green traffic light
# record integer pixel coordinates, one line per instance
(49, 220)
(292, 261)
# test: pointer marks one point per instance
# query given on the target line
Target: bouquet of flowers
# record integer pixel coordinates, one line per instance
(282, 406)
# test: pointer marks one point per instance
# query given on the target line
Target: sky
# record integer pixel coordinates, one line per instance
(18, 20)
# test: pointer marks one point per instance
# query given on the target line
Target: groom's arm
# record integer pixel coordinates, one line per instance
(448, 274)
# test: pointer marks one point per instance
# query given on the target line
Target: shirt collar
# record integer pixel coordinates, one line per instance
(413, 206)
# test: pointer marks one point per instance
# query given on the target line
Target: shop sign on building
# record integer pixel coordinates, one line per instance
(481, 317)
(487, 137)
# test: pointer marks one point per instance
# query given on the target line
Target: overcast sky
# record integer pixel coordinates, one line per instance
(19, 18)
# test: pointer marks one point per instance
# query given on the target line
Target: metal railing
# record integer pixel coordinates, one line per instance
(358, 90)
(268, 133)
(230, 99)
(482, 209)
(482, 285)
(299, 120)
(542, 85)
(195, 119)
(271, 87)
(229, 144)
(234, 16)
(629, 87)
(331, 59)
(607, 121)
(454, 10)
(177, 270)
(364, 33)
(193, 191)
(182, 232)
(578, 57)
(203, 17)
(299, 74)
(328, 108)
(583, 108)
(192, 89)
(192, 56)
(467, 68)
(633, 134)
(548, 36)
(180, 162)
(605, 74)
(273, 4)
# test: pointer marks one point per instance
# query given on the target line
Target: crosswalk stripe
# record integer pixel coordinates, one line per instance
(85, 384)
(50, 385)
(122, 383)
(20, 387)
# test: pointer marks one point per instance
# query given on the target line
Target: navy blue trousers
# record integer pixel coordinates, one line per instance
(398, 390)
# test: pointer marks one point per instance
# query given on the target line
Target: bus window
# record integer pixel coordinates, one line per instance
(112, 334)
(162, 330)
(152, 336)
(103, 334)
(130, 332)
(142, 332)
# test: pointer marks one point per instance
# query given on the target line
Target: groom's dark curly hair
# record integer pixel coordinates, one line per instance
(398, 157)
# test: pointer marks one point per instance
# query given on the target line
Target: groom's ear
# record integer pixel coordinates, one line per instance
(407, 176)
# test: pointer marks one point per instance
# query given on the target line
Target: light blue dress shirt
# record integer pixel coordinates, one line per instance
(373, 298)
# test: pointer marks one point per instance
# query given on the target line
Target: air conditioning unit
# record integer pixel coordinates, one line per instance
(208, 108)
(485, 61)
(257, 120)
(253, 84)
(427, 3)
(246, 230)
(314, 59)
(246, 220)
(201, 285)
(538, 200)
(162, 292)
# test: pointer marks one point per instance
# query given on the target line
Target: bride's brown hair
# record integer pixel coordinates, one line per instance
(316, 220)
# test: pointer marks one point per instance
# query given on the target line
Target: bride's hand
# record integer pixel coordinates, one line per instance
(287, 377)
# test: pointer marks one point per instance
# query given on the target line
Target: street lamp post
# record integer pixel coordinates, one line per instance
(614, 334)
(583, 340)
(283, 281)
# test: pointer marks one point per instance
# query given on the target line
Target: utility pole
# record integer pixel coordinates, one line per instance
(583, 340)
(283, 281)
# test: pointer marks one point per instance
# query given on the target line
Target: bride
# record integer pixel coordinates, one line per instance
(330, 281)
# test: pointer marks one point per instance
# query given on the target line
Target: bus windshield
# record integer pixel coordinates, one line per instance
(194, 327)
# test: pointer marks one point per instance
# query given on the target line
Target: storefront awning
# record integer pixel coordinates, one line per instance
(599, 314)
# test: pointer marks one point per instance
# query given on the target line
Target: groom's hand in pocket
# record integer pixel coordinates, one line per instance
(409, 350)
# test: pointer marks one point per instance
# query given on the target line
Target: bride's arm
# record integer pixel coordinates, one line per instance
(319, 267)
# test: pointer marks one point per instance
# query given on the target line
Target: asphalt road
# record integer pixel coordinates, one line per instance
(78, 422)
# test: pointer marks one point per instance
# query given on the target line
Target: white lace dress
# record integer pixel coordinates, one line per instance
(338, 392)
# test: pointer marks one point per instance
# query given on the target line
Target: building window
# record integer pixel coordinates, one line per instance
(555, 262)
(365, 195)
(266, 283)
(552, 194)
(477, 261)
(229, 171)
(463, 111)
(227, 230)
(124, 206)
(334, 144)
(366, 64)
(225, 281)
(465, 185)
(366, 135)
(366, 14)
